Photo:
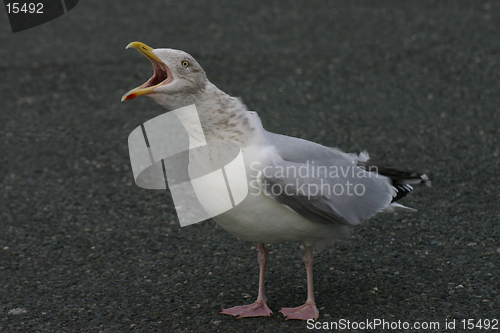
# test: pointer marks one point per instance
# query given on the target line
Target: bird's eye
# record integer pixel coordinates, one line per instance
(185, 63)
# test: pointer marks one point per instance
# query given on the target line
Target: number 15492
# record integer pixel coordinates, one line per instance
(31, 8)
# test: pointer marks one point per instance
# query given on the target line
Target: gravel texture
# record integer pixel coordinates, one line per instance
(82, 249)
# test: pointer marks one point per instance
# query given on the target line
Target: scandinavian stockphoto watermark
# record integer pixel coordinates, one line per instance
(171, 150)
(310, 180)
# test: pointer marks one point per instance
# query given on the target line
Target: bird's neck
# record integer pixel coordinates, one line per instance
(224, 118)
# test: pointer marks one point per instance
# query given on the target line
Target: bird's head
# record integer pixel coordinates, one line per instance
(177, 77)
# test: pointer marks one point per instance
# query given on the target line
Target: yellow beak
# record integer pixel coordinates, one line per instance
(148, 53)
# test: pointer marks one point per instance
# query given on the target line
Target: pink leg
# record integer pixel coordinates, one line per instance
(308, 310)
(259, 308)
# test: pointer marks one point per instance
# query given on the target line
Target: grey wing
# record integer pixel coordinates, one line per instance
(300, 150)
(324, 184)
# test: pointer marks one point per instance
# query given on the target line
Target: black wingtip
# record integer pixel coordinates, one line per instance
(401, 180)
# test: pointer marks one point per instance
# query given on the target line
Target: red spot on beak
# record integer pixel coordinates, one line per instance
(131, 96)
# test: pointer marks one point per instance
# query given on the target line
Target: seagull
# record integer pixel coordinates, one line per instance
(297, 190)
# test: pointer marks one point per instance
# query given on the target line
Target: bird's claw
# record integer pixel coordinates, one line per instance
(257, 309)
(303, 312)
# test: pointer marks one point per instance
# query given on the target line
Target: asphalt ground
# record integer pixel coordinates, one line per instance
(417, 84)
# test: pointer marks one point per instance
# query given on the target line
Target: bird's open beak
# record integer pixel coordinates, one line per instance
(162, 74)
